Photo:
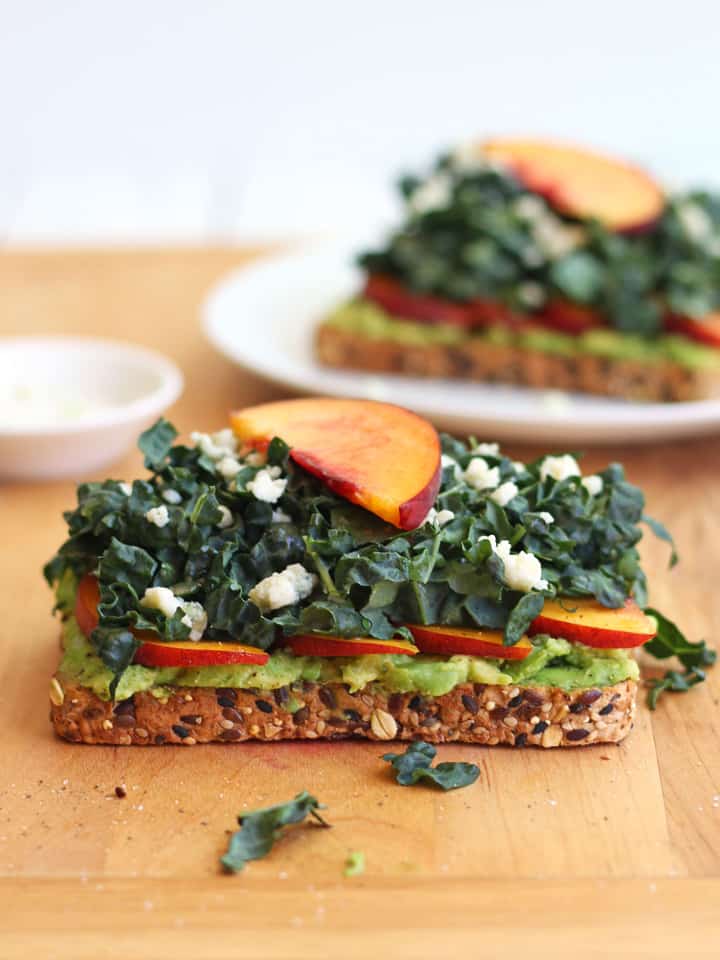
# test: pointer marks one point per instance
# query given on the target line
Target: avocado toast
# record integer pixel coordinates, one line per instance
(537, 264)
(331, 568)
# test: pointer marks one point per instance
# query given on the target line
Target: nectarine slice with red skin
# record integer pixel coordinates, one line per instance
(381, 457)
(703, 329)
(396, 299)
(568, 317)
(476, 643)
(584, 620)
(197, 653)
(323, 645)
(581, 183)
(86, 604)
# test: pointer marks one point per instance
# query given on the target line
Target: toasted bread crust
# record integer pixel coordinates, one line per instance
(496, 363)
(470, 713)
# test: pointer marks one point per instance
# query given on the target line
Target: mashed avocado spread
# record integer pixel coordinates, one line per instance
(374, 323)
(553, 662)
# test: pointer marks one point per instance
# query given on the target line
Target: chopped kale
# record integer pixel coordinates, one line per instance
(414, 766)
(219, 541)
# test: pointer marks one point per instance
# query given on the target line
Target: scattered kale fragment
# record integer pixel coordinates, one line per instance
(671, 642)
(414, 766)
(262, 828)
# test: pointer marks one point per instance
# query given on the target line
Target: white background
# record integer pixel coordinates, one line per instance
(207, 121)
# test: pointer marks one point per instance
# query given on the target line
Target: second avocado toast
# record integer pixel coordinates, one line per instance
(332, 568)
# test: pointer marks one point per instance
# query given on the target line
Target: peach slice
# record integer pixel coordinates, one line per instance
(322, 645)
(703, 329)
(200, 653)
(382, 457)
(476, 643)
(581, 183)
(584, 620)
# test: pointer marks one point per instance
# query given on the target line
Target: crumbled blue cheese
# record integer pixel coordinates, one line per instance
(126, 488)
(696, 223)
(226, 517)
(439, 517)
(171, 496)
(255, 459)
(559, 468)
(267, 485)
(228, 467)
(504, 493)
(447, 461)
(486, 450)
(158, 516)
(593, 484)
(164, 600)
(547, 517)
(519, 466)
(279, 516)
(433, 194)
(291, 585)
(480, 475)
(521, 571)
(215, 446)
(531, 294)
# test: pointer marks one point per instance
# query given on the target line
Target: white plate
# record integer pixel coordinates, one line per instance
(263, 316)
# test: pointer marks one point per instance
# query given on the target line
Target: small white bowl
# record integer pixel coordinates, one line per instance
(70, 405)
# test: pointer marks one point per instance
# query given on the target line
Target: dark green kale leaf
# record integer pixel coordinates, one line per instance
(662, 533)
(156, 442)
(521, 616)
(675, 682)
(414, 766)
(671, 642)
(261, 829)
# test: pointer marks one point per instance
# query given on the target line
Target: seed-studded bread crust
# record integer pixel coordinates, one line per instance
(470, 713)
(476, 359)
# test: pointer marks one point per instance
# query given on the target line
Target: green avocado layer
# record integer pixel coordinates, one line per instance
(553, 662)
(371, 321)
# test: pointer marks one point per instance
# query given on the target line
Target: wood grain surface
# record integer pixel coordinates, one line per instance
(596, 851)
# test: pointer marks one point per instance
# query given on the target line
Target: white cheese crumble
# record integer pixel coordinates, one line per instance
(521, 571)
(696, 222)
(547, 517)
(228, 467)
(531, 294)
(255, 459)
(215, 446)
(433, 194)
(447, 461)
(164, 600)
(291, 585)
(504, 493)
(519, 466)
(559, 468)
(467, 158)
(226, 517)
(279, 516)
(529, 207)
(171, 496)
(158, 515)
(267, 485)
(593, 484)
(481, 476)
(487, 450)
(126, 488)
(439, 517)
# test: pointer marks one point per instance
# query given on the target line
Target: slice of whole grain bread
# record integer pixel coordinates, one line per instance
(477, 359)
(470, 713)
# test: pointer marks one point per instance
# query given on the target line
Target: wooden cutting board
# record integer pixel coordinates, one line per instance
(593, 851)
